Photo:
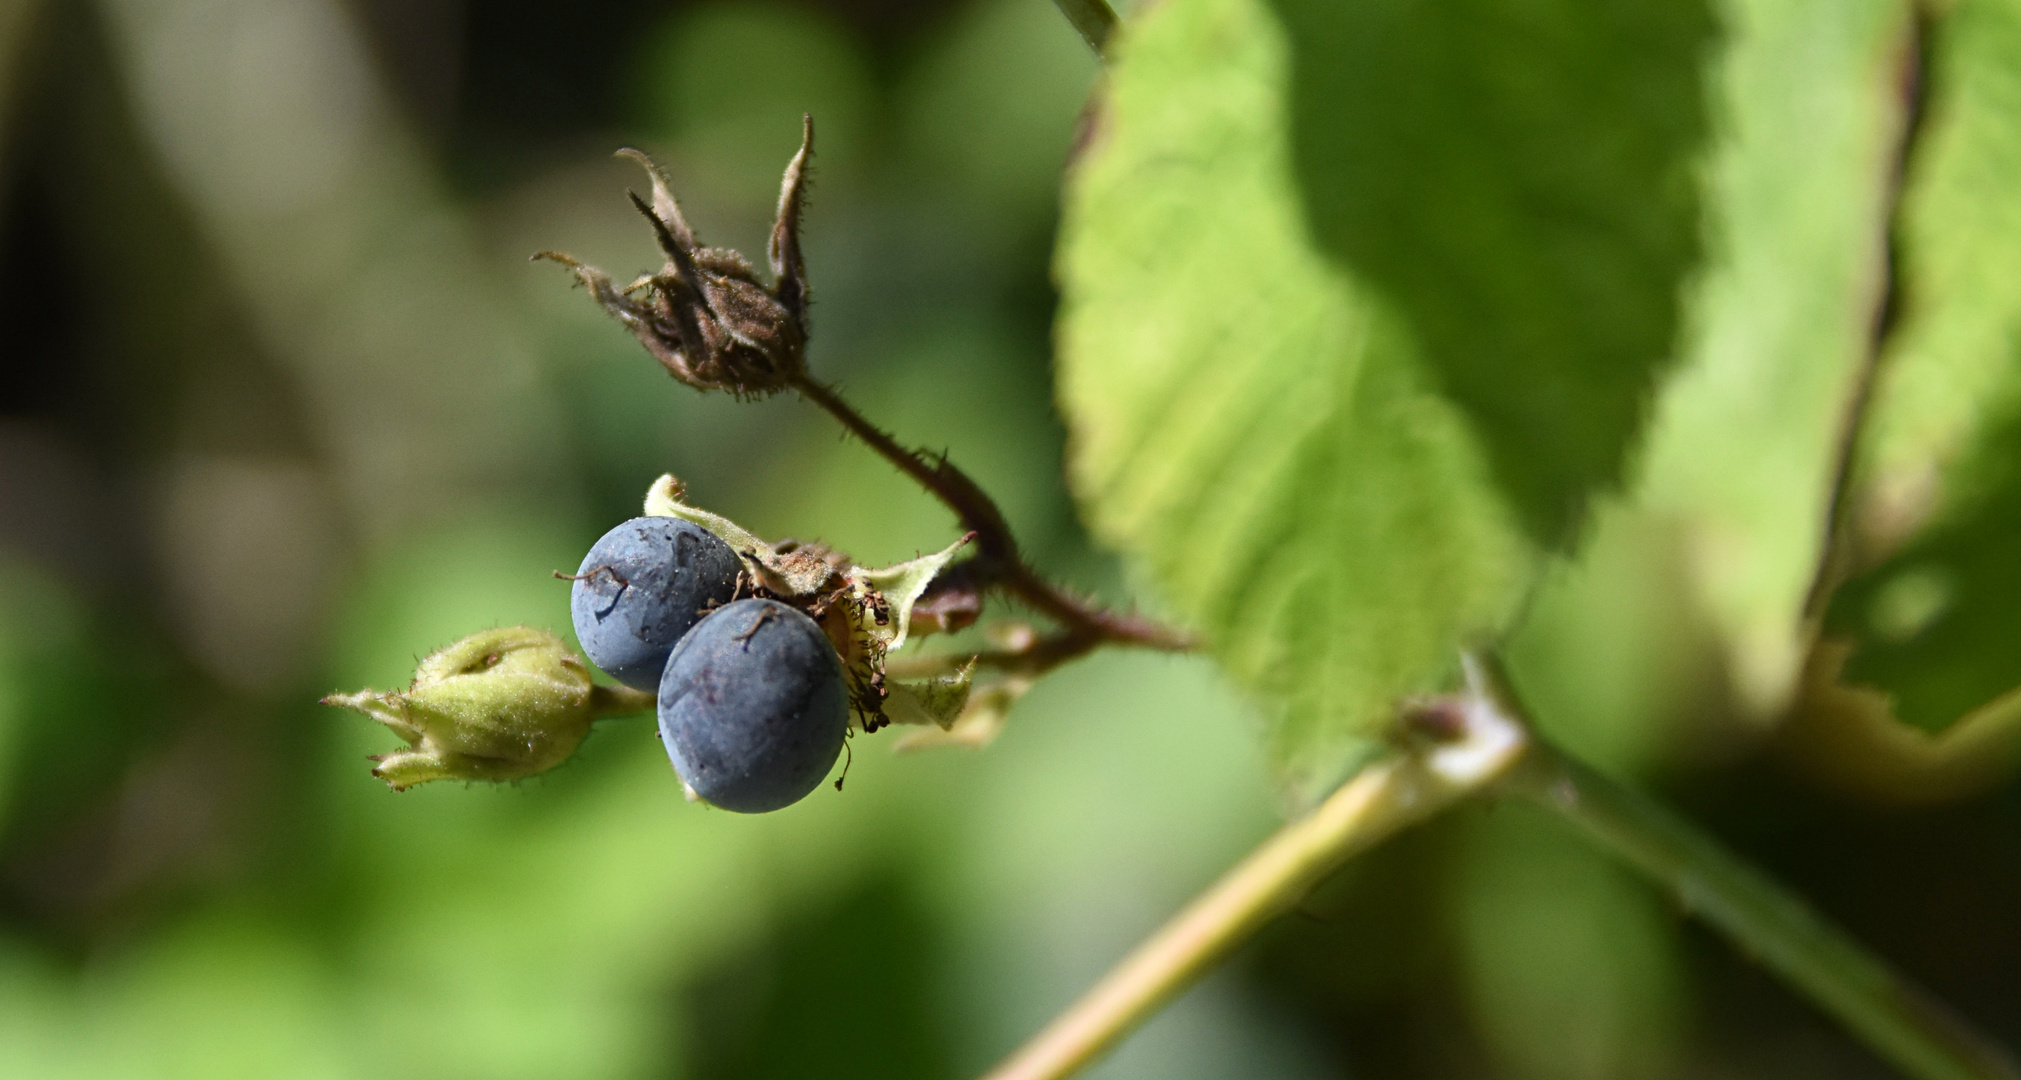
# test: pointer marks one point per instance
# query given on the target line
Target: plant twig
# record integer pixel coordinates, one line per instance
(1095, 19)
(997, 562)
(1386, 797)
(1035, 657)
(1892, 1016)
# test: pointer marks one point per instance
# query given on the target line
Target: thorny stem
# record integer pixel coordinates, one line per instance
(1095, 19)
(1894, 1017)
(997, 562)
(1382, 799)
(1036, 656)
(964, 496)
(1041, 655)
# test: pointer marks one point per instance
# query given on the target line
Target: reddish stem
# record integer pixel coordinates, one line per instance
(997, 562)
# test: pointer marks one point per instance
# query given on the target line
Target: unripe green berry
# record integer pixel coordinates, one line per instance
(498, 705)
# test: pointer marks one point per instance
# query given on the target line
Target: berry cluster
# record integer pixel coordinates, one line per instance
(759, 656)
(752, 704)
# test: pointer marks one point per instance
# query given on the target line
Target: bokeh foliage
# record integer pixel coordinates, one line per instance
(1387, 324)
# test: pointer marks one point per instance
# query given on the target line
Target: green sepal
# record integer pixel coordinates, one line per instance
(501, 704)
(981, 720)
(663, 499)
(935, 702)
(900, 586)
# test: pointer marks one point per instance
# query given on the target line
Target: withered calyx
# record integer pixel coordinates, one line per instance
(705, 316)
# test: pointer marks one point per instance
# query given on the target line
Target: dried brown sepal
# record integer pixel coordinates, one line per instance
(866, 612)
(953, 602)
(705, 316)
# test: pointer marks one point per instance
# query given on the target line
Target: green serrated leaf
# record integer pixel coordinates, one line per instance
(1519, 178)
(1251, 420)
(1744, 449)
(1953, 374)
(1692, 594)
(1933, 621)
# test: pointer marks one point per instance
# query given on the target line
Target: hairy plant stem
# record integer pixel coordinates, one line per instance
(1895, 1018)
(1479, 741)
(1095, 19)
(997, 563)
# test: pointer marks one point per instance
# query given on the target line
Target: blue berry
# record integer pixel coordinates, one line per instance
(641, 587)
(752, 707)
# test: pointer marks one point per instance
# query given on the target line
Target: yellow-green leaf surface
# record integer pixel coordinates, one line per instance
(1950, 378)
(1932, 620)
(1250, 420)
(1689, 599)
(1744, 448)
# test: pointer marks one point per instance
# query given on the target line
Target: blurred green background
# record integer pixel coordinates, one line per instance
(284, 406)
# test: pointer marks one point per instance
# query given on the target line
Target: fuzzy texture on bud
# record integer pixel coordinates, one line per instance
(498, 705)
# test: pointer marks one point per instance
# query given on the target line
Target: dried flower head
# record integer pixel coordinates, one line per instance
(705, 315)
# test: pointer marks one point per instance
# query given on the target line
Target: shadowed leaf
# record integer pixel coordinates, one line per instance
(1254, 422)
(1934, 614)
(1518, 177)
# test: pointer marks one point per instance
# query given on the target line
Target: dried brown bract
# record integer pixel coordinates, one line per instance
(705, 315)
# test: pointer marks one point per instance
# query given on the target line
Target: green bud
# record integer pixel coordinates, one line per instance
(498, 705)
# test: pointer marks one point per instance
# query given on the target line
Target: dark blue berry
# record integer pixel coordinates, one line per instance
(752, 707)
(641, 587)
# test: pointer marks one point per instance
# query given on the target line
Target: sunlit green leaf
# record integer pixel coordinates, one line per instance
(1693, 591)
(1252, 420)
(1745, 445)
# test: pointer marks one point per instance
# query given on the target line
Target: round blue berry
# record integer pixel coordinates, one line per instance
(752, 707)
(641, 587)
